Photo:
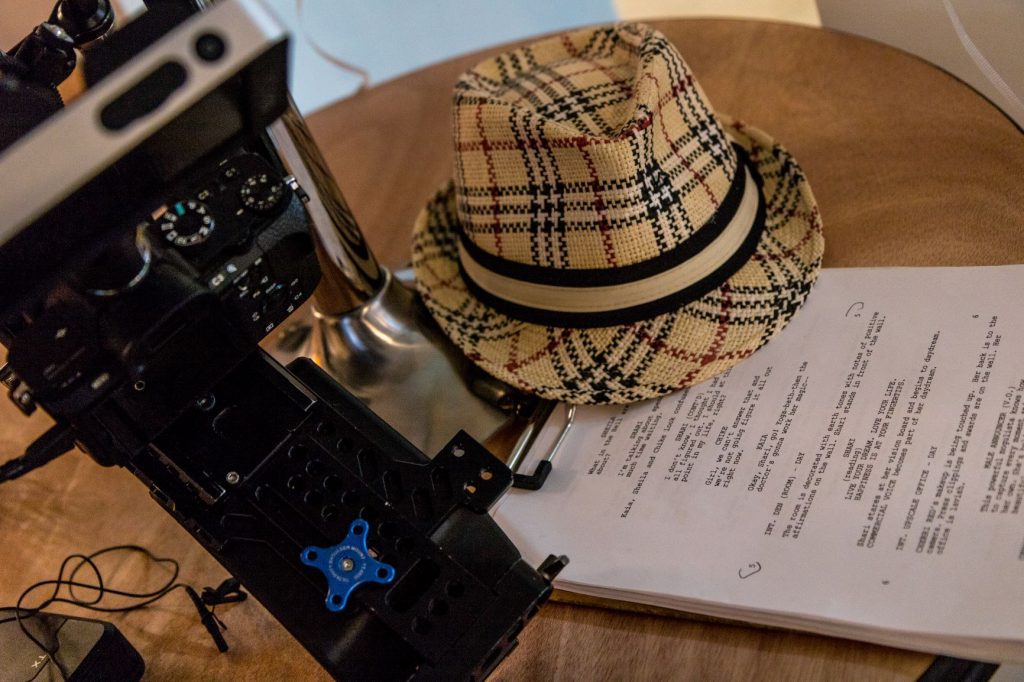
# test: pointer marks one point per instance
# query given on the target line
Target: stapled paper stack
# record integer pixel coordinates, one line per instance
(862, 475)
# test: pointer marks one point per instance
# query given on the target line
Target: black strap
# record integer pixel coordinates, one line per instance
(590, 277)
(670, 302)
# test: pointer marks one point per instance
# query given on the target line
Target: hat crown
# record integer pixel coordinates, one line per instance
(594, 149)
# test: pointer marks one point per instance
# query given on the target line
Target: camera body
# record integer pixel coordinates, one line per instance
(129, 298)
(137, 278)
(141, 333)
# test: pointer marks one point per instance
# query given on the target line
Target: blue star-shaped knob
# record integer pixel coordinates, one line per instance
(347, 565)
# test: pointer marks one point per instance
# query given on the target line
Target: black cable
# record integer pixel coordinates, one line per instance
(99, 587)
(48, 447)
(226, 593)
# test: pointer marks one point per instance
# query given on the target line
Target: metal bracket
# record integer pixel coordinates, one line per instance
(536, 480)
(17, 391)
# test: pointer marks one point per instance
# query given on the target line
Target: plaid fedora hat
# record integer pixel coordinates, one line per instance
(607, 238)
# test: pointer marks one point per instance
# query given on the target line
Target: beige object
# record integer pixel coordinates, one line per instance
(605, 238)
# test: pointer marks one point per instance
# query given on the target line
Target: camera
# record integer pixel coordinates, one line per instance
(141, 288)
(150, 237)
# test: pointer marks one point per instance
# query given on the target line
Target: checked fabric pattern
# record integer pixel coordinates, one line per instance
(597, 149)
(590, 149)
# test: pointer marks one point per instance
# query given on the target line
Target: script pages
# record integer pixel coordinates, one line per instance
(862, 475)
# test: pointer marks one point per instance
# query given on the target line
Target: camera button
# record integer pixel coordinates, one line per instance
(144, 97)
(210, 47)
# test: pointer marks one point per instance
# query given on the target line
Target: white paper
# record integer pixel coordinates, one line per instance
(862, 475)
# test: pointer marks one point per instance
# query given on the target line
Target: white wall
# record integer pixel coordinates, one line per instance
(977, 41)
(391, 37)
(387, 38)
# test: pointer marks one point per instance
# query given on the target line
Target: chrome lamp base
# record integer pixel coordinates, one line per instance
(390, 355)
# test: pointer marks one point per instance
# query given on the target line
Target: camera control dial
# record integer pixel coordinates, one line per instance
(260, 192)
(186, 223)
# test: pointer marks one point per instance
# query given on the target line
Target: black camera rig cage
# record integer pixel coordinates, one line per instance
(138, 278)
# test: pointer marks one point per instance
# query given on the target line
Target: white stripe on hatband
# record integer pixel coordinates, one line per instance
(619, 296)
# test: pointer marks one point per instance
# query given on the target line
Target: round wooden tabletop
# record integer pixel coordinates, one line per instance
(910, 167)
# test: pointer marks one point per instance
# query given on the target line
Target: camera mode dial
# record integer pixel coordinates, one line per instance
(260, 192)
(186, 223)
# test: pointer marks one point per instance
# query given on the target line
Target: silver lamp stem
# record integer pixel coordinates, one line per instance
(369, 331)
(351, 274)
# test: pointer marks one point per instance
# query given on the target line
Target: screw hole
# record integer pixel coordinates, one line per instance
(336, 599)
(486, 475)
(358, 530)
(420, 626)
(469, 488)
(458, 451)
(311, 556)
(210, 47)
(382, 573)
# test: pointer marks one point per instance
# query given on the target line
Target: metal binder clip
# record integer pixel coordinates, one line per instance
(535, 481)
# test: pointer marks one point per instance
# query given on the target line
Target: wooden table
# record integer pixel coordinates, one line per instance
(910, 167)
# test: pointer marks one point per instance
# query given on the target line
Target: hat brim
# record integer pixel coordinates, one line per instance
(648, 358)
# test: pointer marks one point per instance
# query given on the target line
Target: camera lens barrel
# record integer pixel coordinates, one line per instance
(120, 267)
(85, 20)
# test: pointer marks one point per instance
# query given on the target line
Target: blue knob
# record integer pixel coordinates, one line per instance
(347, 565)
